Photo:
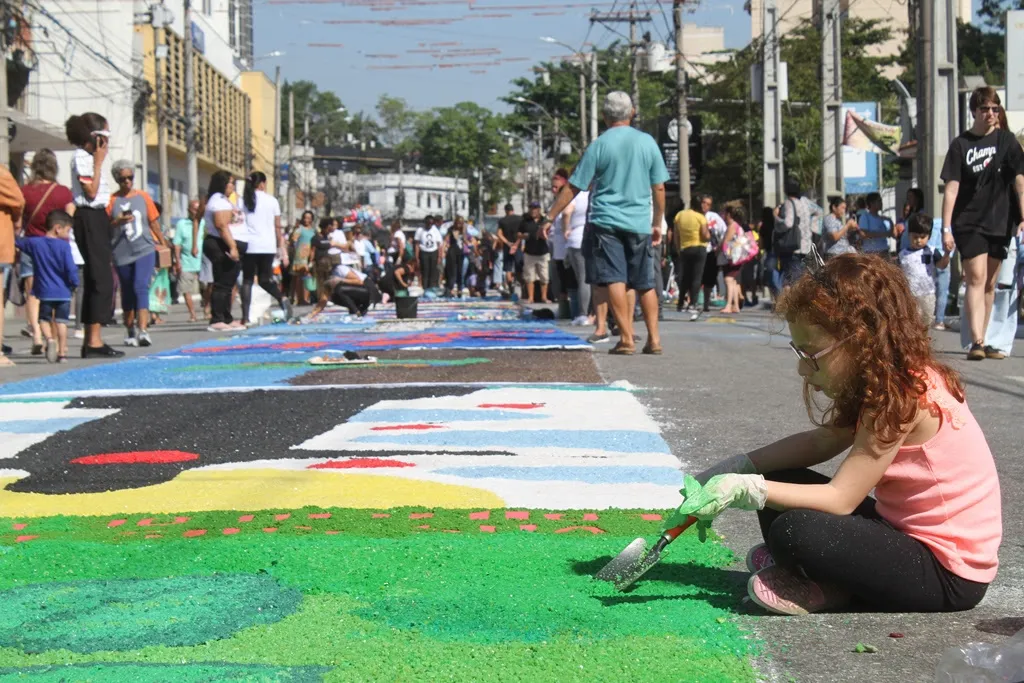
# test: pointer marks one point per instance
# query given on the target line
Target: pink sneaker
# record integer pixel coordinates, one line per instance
(783, 592)
(218, 327)
(758, 558)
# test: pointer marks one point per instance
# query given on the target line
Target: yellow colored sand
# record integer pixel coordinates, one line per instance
(250, 489)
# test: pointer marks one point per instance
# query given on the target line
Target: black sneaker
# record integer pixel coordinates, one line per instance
(977, 352)
(598, 338)
(7, 350)
(994, 353)
(104, 351)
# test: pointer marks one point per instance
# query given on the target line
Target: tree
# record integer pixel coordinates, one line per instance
(464, 139)
(993, 13)
(396, 120)
(329, 122)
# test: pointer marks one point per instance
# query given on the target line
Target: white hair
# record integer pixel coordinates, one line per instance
(617, 107)
(122, 165)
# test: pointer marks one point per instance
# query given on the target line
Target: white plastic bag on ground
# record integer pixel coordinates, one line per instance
(983, 662)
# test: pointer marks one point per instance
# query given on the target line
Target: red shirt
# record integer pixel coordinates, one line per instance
(59, 197)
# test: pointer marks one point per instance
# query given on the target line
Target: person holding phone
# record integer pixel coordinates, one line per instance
(90, 189)
(223, 249)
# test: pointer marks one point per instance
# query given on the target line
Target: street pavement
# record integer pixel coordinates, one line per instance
(728, 384)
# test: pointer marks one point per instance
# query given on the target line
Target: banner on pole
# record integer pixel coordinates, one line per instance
(870, 136)
(860, 167)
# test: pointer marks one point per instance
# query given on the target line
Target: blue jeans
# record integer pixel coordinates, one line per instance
(134, 279)
(59, 311)
(941, 293)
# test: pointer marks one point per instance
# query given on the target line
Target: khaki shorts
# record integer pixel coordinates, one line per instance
(535, 268)
(188, 282)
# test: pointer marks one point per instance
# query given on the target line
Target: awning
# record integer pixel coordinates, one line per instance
(31, 134)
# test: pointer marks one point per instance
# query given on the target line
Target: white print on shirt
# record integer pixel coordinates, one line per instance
(133, 230)
(982, 154)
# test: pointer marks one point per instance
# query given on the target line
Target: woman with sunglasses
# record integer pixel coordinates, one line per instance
(135, 218)
(984, 174)
(927, 541)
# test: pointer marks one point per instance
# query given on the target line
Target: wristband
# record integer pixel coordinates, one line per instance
(947, 230)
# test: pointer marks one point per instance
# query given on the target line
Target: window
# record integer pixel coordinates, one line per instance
(428, 200)
(232, 31)
(207, 7)
(419, 199)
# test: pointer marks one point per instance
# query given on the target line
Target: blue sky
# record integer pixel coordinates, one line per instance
(292, 27)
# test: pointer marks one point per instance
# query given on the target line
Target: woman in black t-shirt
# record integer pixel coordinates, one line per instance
(984, 173)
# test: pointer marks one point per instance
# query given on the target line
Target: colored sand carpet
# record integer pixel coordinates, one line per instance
(219, 530)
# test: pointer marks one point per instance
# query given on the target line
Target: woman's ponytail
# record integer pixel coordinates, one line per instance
(255, 179)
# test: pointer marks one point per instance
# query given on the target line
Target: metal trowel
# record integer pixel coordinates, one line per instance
(628, 566)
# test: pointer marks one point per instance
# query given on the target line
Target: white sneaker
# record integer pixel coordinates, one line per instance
(130, 339)
(79, 334)
(51, 350)
(143, 338)
(580, 321)
(695, 316)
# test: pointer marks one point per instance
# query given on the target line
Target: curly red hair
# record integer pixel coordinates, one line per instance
(867, 301)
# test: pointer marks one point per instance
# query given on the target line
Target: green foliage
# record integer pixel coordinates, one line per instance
(325, 121)
(993, 13)
(465, 138)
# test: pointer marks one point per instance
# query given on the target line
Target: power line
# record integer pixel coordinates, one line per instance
(78, 41)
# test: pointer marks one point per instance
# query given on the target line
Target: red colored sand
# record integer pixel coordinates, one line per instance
(22, 539)
(485, 514)
(136, 458)
(390, 428)
(360, 463)
(591, 529)
(192, 533)
(512, 406)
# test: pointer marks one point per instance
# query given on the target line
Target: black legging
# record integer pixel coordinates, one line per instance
(453, 270)
(428, 269)
(225, 276)
(260, 266)
(356, 298)
(691, 272)
(885, 569)
(92, 235)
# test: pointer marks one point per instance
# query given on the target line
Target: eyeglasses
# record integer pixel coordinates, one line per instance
(993, 109)
(812, 358)
(125, 178)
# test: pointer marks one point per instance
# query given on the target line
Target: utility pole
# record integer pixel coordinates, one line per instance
(5, 123)
(401, 188)
(306, 191)
(540, 161)
(292, 175)
(190, 108)
(593, 94)
(583, 106)
(682, 129)
(936, 99)
(831, 101)
(277, 131)
(160, 51)
(772, 99)
(480, 200)
(632, 17)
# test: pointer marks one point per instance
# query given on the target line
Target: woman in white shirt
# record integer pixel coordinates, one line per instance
(224, 249)
(263, 218)
(90, 187)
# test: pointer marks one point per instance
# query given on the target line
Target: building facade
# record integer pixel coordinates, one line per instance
(423, 195)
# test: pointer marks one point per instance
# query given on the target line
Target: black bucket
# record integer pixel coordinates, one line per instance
(405, 306)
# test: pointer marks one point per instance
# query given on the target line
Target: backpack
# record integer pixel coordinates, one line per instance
(786, 241)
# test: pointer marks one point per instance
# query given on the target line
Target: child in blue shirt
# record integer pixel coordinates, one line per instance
(56, 277)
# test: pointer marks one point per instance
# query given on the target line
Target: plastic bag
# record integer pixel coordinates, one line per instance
(983, 662)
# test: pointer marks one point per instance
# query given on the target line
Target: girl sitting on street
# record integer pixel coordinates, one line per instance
(928, 540)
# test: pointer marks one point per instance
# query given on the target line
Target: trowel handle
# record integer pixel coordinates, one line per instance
(673, 533)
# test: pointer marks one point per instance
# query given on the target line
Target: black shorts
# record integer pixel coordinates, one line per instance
(971, 243)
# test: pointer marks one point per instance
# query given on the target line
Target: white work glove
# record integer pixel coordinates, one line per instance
(737, 464)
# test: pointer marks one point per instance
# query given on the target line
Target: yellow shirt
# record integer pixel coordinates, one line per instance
(688, 225)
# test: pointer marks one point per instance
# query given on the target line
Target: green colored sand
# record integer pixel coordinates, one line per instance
(392, 603)
(165, 673)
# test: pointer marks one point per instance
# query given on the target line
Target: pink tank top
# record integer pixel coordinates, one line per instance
(945, 492)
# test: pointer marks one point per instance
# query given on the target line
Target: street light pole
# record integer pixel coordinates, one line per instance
(682, 129)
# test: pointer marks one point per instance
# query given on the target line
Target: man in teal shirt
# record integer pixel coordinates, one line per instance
(188, 258)
(628, 174)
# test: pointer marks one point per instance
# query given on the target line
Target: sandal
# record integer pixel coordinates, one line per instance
(620, 350)
(651, 350)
